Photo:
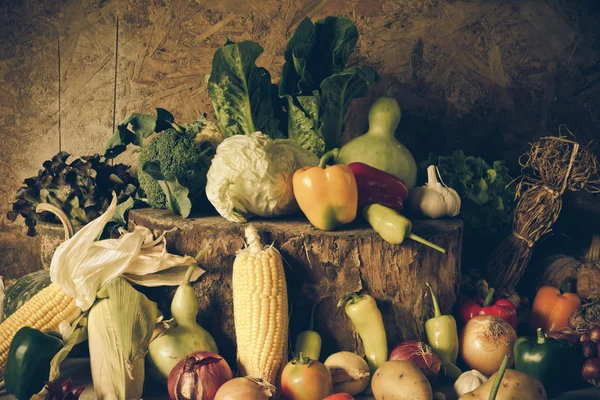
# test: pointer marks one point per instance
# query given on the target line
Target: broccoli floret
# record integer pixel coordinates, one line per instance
(180, 157)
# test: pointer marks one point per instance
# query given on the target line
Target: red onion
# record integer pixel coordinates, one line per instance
(591, 370)
(420, 354)
(595, 334)
(589, 349)
(198, 376)
(585, 336)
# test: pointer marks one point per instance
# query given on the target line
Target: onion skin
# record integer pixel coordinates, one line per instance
(595, 334)
(349, 372)
(245, 389)
(566, 334)
(589, 349)
(421, 355)
(591, 370)
(482, 350)
(198, 376)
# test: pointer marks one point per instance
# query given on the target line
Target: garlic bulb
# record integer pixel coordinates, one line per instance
(435, 199)
(469, 381)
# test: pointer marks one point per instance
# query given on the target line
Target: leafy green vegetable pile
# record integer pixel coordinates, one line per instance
(487, 198)
(82, 189)
(172, 165)
(309, 103)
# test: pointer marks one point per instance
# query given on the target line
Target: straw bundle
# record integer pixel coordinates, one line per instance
(556, 164)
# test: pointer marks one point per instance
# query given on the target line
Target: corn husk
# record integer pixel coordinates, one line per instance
(82, 265)
(120, 326)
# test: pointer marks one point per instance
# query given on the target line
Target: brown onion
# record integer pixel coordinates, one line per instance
(420, 354)
(591, 370)
(595, 334)
(585, 336)
(245, 389)
(198, 376)
(589, 349)
(484, 341)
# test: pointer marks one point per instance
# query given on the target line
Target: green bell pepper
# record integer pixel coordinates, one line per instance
(556, 363)
(28, 361)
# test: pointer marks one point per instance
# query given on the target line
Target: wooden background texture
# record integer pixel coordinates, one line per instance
(484, 76)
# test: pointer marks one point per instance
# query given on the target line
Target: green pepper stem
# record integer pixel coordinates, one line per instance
(499, 376)
(541, 339)
(177, 127)
(328, 156)
(489, 297)
(426, 242)
(436, 306)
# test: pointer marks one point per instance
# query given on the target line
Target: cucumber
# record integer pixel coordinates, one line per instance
(24, 289)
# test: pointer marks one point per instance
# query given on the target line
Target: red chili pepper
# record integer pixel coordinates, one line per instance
(502, 308)
(378, 187)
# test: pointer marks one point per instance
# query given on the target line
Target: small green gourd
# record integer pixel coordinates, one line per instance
(378, 147)
(184, 338)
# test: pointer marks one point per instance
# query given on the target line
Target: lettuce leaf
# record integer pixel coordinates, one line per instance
(317, 88)
(241, 92)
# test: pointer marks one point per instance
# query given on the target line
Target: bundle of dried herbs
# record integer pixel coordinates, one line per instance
(555, 164)
(82, 189)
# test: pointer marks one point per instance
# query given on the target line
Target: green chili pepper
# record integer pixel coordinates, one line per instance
(309, 342)
(443, 338)
(556, 363)
(367, 319)
(28, 361)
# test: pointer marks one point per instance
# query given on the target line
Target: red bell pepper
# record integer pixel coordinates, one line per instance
(378, 187)
(502, 308)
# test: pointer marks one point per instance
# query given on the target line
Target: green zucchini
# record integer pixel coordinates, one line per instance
(24, 289)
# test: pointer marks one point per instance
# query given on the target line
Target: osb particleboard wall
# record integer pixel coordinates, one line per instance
(484, 76)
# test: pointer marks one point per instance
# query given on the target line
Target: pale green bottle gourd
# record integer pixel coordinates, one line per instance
(378, 147)
(184, 338)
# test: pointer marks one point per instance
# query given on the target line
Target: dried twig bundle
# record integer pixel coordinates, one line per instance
(556, 164)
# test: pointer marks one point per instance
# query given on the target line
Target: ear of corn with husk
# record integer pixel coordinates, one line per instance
(260, 310)
(120, 326)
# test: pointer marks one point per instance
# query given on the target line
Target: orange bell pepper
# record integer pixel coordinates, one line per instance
(552, 307)
(327, 195)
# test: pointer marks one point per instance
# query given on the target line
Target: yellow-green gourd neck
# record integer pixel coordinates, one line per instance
(184, 307)
(384, 118)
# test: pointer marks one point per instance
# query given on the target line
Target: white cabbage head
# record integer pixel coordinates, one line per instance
(252, 175)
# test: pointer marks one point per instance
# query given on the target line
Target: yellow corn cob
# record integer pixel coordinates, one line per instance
(260, 310)
(44, 311)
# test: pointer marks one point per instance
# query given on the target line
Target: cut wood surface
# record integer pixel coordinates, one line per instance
(320, 268)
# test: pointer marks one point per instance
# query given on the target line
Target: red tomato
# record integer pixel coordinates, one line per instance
(305, 379)
(339, 396)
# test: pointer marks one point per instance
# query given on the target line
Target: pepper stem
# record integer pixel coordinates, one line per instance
(567, 285)
(499, 376)
(426, 242)
(436, 306)
(489, 297)
(328, 156)
(541, 339)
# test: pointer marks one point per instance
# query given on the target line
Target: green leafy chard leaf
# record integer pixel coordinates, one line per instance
(241, 92)
(315, 52)
(177, 196)
(303, 122)
(142, 126)
(338, 91)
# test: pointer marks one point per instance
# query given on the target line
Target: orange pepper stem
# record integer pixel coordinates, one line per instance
(568, 285)
(541, 339)
(328, 156)
(489, 297)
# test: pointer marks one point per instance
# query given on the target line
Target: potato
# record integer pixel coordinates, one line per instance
(400, 380)
(515, 385)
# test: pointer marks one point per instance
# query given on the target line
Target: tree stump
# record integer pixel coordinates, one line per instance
(320, 268)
